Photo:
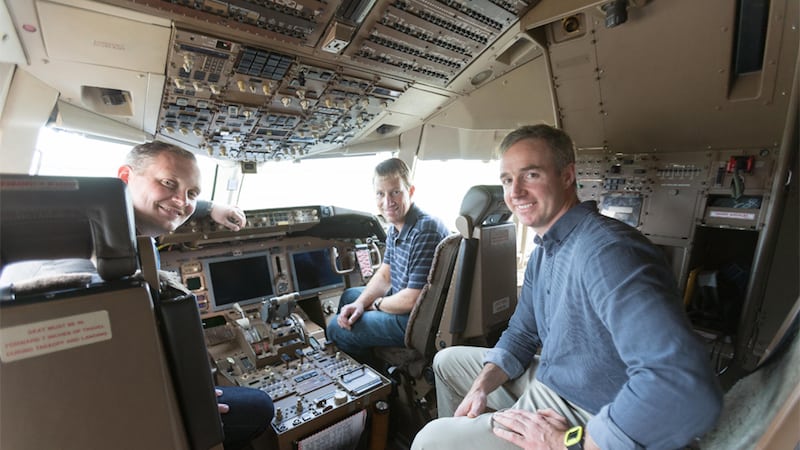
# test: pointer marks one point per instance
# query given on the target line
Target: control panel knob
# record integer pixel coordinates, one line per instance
(340, 398)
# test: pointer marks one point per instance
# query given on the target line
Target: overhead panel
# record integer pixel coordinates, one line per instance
(241, 102)
(431, 40)
(262, 80)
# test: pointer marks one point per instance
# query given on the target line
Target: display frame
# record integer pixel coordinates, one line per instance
(301, 275)
(219, 278)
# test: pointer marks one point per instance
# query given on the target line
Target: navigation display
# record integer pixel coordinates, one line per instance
(244, 279)
(312, 271)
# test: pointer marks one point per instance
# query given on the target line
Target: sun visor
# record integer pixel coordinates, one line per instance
(79, 35)
(79, 120)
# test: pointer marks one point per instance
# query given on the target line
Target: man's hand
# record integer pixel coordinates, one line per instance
(541, 430)
(229, 216)
(473, 405)
(222, 407)
(350, 315)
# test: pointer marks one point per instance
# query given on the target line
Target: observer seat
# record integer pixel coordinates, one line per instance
(88, 355)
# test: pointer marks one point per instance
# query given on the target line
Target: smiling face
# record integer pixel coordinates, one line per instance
(164, 192)
(393, 199)
(533, 187)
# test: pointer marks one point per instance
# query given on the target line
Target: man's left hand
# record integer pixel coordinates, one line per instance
(230, 217)
(541, 430)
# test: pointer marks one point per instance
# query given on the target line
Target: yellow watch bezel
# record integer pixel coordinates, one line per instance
(573, 436)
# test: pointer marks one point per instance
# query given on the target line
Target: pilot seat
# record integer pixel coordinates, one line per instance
(486, 274)
(88, 351)
(410, 366)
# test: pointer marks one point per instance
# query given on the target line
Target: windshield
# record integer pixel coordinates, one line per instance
(344, 181)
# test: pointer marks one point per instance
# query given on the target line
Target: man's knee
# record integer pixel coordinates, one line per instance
(428, 436)
(349, 296)
(343, 338)
(330, 330)
(454, 433)
(253, 405)
(442, 357)
(447, 358)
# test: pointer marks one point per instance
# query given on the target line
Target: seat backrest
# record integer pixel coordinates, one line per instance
(486, 283)
(68, 217)
(423, 322)
(81, 354)
(183, 341)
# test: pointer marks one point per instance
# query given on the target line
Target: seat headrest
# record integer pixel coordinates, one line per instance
(47, 218)
(482, 206)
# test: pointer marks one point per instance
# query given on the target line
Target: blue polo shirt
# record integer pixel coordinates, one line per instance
(409, 253)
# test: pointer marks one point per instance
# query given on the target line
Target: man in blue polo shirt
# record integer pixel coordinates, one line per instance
(376, 315)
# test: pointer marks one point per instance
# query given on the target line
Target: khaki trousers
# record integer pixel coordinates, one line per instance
(456, 368)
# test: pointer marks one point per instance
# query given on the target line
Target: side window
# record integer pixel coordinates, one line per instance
(441, 185)
(62, 153)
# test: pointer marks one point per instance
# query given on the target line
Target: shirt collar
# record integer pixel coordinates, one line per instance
(566, 223)
(410, 220)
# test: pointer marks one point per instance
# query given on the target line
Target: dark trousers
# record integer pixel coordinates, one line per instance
(250, 414)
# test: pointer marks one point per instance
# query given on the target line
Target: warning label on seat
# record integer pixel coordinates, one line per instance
(54, 335)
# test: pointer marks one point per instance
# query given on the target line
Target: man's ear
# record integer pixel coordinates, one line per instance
(568, 175)
(123, 173)
(411, 191)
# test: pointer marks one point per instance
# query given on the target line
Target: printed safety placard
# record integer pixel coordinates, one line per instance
(54, 335)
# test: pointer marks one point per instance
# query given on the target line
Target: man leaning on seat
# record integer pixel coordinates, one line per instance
(164, 183)
(619, 365)
(376, 315)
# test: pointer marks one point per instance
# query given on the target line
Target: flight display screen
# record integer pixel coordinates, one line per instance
(312, 271)
(244, 280)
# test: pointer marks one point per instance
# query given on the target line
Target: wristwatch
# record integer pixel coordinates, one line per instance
(573, 440)
(377, 303)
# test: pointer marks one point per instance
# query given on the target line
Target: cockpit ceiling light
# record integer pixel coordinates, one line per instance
(481, 77)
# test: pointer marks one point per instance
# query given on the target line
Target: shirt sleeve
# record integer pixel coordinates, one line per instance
(420, 257)
(202, 210)
(671, 394)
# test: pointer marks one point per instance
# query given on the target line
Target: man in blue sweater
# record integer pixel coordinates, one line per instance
(619, 365)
